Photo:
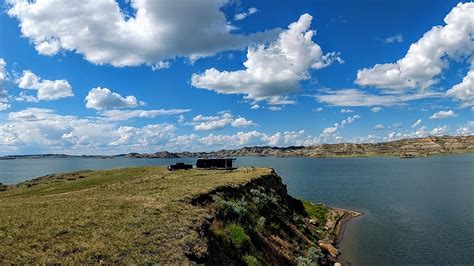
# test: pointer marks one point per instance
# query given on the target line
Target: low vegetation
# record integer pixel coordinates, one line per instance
(313, 256)
(129, 215)
(250, 260)
(150, 215)
(264, 219)
(319, 212)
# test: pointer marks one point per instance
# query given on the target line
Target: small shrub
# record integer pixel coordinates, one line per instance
(237, 235)
(315, 254)
(302, 261)
(251, 260)
(232, 210)
(261, 224)
(3, 187)
(264, 200)
(313, 257)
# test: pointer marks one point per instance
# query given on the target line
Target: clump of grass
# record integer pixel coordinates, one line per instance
(234, 234)
(316, 211)
(237, 235)
(251, 260)
(3, 187)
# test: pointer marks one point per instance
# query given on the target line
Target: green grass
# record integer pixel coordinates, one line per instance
(251, 260)
(232, 233)
(237, 234)
(128, 215)
(316, 211)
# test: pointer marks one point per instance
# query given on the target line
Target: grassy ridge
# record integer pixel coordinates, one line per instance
(123, 215)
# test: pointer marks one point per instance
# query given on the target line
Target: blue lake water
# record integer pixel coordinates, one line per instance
(417, 211)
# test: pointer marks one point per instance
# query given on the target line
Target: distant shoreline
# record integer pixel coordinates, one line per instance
(109, 157)
(405, 148)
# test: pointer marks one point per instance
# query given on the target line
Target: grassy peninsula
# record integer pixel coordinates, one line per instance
(150, 215)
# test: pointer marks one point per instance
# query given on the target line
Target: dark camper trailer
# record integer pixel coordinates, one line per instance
(180, 166)
(221, 164)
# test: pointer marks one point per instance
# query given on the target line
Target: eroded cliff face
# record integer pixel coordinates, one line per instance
(259, 223)
(407, 147)
(403, 148)
(149, 215)
(438, 145)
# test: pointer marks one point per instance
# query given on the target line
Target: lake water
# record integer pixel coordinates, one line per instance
(417, 211)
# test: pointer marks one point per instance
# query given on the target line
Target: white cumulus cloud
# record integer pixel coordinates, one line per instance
(443, 114)
(275, 108)
(272, 71)
(103, 98)
(46, 90)
(379, 127)
(3, 72)
(46, 131)
(466, 129)
(224, 119)
(245, 14)
(346, 111)
(242, 122)
(356, 97)
(394, 38)
(376, 109)
(417, 123)
(464, 91)
(428, 57)
(120, 115)
(153, 32)
(441, 130)
(4, 105)
(334, 129)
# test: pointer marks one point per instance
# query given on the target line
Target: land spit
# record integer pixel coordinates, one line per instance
(151, 215)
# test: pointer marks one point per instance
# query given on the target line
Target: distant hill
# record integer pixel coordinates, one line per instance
(405, 148)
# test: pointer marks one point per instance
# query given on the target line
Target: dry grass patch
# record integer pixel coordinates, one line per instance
(134, 215)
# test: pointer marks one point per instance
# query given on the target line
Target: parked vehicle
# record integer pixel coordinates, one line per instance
(180, 166)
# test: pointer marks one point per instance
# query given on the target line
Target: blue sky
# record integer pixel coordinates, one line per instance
(142, 76)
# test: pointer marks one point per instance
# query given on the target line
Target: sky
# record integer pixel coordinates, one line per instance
(110, 77)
